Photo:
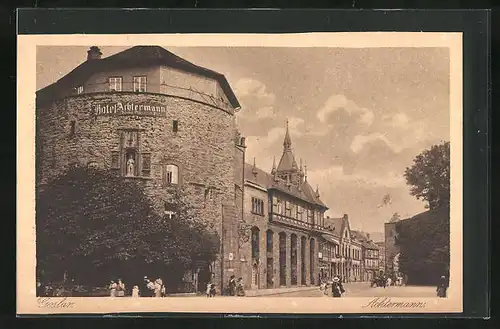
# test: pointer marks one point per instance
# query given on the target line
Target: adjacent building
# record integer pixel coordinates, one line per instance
(370, 256)
(155, 118)
(381, 256)
(283, 220)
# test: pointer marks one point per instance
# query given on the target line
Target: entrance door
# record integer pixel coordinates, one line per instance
(255, 277)
(270, 273)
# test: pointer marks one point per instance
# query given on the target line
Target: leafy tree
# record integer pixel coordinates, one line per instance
(97, 226)
(429, 176)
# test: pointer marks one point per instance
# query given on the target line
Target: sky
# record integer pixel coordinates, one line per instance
(357, 116)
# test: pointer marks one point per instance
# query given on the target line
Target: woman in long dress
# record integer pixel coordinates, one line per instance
(120, 288)
(337, 288)
(442, 287)
(112, 289)
(157, 288)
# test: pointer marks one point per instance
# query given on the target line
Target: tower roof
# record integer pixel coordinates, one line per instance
(287, 162)
(138, 56)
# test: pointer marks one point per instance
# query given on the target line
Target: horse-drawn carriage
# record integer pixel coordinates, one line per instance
(378, 281)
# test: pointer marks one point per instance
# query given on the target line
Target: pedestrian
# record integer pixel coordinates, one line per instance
(208, 291)
(337, 287)
(322, 287)
(112, 288)
(135, 291)
(120, 288)
(232, 286)
(157, 288)
(240, 290)
(389, 281)
(39, 288)
(143, 290)
(442, 287)
(163, 289)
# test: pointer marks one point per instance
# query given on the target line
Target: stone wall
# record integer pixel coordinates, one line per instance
(391, 249)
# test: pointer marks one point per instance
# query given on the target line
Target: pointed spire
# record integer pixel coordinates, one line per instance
(300, 176)
(305, 172)
(254, 168)
(317, 191)
(274, 166)
(287, 142)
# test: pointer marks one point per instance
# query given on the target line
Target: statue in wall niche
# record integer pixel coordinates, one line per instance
(130, 165)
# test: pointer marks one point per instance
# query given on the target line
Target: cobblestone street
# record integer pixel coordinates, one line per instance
(363, 290)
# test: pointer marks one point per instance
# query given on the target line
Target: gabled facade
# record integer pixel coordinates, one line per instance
(284, 220)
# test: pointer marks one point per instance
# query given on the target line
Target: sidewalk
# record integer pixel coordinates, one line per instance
(277, 291)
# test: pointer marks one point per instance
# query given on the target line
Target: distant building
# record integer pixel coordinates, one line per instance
(381, 255)
(370, 255)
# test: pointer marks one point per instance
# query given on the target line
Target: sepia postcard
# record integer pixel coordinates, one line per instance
(240, 173)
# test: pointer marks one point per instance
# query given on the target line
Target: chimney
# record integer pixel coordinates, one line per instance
(94, 53)
(368, 236)
(242, 141)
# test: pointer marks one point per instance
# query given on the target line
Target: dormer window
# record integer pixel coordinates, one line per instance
(115, 84)
(140, 84)
(79, 90)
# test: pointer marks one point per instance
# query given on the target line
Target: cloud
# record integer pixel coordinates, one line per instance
(294, 123)
(338, 102)
(265, 112)
(336, 173)
(399, 120)
(250, 87)
(360, 141)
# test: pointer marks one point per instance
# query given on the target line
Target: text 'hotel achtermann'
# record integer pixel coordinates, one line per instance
(154, 117)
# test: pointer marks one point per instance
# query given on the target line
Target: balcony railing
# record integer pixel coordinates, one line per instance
(290, 221)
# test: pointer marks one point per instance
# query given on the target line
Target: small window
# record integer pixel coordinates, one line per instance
(115, 84)
(257, 206)
(172, 174)
(79, 90)
(169, 211)
(208, 194)
(140, 84)
(146, 164)
(72, 129)
(175, 126)
(115, 160)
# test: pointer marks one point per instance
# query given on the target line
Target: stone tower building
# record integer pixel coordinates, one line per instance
(153, 117)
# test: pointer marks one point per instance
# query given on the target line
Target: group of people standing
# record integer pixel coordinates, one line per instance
(148, 288)
(236, 287)
(117, 289)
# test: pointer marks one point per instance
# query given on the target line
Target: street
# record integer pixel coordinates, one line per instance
(362, 289)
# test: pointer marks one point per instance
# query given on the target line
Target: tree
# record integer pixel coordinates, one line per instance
(395, 218)
(429, 176)
(97, 226)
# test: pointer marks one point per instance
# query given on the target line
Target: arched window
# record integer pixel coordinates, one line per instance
(172, 174)
(255, 243)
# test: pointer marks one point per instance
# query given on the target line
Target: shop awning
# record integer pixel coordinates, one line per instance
(329, 238)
